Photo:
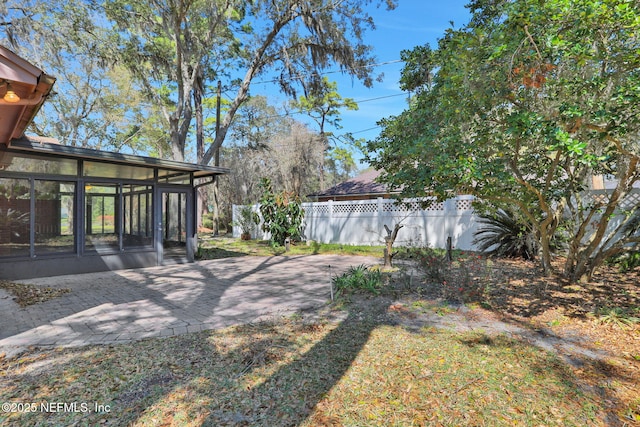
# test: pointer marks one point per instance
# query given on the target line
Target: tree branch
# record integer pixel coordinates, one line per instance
(526, 31)
(256, 65)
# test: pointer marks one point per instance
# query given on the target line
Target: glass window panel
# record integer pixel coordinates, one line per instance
(102, 222)
(174, 220)
(15, 206)
(137, 216)
(54, 217)
(20, 162)
(114, 170)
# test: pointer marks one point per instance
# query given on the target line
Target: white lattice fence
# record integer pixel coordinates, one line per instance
(363, 221)
(598, 199)
(601, 197)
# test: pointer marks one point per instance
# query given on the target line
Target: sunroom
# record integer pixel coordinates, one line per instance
(68, 210)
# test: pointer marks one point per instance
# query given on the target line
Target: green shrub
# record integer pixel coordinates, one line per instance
(247, 220)
(316, 247)
(207, 223)
(358, 278)
(282, 213)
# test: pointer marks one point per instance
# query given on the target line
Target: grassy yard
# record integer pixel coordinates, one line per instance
(223, 247)
(364, 370)
(418, 353)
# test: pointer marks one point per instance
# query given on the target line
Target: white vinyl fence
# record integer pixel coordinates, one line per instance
(622, 213)
(362, 222)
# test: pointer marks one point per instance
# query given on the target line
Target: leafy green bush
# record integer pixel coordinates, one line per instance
(247, 220)
(282, 213)
(207, 222)
(358, 278)
(316, 247)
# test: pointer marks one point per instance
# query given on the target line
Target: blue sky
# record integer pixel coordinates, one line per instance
(412, 23)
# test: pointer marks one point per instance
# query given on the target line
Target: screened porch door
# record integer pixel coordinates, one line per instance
(175, 230)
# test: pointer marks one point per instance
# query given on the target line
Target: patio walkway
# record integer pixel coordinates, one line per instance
(121, 306)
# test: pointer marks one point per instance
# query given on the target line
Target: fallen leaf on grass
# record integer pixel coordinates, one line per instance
(26, 295)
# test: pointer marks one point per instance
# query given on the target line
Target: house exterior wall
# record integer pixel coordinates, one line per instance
(18, 269)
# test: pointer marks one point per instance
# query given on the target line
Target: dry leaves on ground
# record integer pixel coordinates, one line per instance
(26, 295)
(601, 316)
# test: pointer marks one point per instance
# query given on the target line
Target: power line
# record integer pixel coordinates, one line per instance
(395, 61)
(356, 101)
(380, 97)
(365, 130)
(300, 76)
(290, 113)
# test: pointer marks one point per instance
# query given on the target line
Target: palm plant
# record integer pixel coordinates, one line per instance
(504, 234)
(246, 221)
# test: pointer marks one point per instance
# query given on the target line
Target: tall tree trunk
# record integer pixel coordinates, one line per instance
(545, 249)
(177, 147)
(216, 160)
(323, 138)
(198, 90)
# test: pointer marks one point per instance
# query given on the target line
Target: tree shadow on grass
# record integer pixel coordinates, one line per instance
(518, 288)
(291, 393)
(217, 253)
(593, 384)
(139, 379)
(252, 375)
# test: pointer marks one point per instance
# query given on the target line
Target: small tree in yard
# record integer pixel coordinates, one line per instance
(246, 221)
(389, 240)
(282, 213)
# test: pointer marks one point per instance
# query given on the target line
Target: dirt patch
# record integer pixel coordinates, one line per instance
(516, 292)
(419, 314)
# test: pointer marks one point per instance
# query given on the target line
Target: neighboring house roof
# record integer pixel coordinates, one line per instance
(362, 185)
(30, 83)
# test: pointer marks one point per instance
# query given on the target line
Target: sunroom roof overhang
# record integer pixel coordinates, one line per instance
(32, 86)
(40, 146)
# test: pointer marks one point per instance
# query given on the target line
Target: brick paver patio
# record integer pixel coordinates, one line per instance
(120, 306)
